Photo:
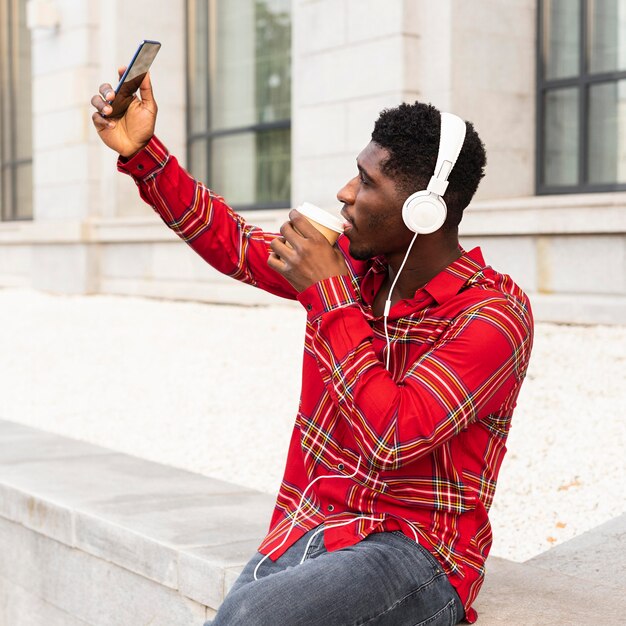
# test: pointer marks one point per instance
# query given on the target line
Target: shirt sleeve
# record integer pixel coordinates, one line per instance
(203, 219)
(472, 371)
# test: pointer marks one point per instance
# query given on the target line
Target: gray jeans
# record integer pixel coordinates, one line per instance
(386, 579)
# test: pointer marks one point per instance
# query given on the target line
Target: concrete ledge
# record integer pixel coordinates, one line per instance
(579, 308)
(89, 536)
(545, 215)
(97, 537)
(533, 215)
(606, 544)
(213, 290)
(518, 593)
(137, 229)
(72, 587)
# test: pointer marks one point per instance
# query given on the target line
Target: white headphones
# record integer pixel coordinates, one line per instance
(425, 211)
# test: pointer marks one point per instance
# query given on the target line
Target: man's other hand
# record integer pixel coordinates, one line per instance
(303, 255)
(131, 132)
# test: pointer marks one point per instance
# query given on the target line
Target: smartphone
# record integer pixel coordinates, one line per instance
(132, 77)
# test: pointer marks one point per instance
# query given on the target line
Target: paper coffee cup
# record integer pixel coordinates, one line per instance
(329, 225)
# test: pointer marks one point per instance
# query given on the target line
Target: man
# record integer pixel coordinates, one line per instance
(382, 514)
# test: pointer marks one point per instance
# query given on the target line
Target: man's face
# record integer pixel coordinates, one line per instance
(373, 207)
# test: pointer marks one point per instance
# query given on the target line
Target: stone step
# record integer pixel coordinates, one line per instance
(187, 533)
(520, 593)
(598, 555)
(92, 536)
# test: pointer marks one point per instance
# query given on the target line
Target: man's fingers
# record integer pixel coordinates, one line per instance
(106, 91)
(290, 233)
(145, 89)
(280, 248)
(102, 105)
(302, 225)
(275, 262)
(98, 121)
(101, 123)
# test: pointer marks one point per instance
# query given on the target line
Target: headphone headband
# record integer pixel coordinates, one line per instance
(451, 138)
(425, 211)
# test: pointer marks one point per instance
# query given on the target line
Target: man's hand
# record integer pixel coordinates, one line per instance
(131, 132)
(303, 255)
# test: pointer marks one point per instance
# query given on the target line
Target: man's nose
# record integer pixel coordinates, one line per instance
(347, 193)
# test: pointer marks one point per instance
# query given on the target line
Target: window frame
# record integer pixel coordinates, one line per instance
(9, 101)
(583, 82)
(209, 135)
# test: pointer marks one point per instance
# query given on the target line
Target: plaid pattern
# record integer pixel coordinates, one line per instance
(416, 449)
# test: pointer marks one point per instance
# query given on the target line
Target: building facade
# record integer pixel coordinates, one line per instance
(270, 101)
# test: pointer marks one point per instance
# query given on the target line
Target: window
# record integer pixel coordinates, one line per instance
(581, 96)
(239, 99)
(16, 150)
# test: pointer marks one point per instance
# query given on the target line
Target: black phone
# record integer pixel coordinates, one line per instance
(132, 77)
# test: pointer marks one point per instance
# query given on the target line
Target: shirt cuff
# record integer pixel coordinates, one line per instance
(147, 162)
(328, 294)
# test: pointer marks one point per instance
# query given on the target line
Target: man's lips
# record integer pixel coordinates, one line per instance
(347, 221)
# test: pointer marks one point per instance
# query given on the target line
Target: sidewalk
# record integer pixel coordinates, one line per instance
(214, 390)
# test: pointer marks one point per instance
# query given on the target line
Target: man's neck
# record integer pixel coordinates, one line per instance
(427, 258)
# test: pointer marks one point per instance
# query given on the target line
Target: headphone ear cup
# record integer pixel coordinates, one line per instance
(424, 212)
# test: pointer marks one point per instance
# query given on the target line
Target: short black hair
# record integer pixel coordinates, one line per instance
(410, 133)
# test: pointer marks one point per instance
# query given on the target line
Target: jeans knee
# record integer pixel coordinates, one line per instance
(238, 610)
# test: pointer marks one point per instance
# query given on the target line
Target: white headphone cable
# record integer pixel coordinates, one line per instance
(295, 515)
(337, 525)
(388, 301)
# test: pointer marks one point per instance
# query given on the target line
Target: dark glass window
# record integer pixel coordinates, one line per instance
(16, 149)
(239, 99)
(581, 96)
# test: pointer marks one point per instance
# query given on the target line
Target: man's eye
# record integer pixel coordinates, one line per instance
(363, 179)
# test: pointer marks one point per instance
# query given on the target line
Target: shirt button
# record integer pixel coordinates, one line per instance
(340, 467)
(330, 507)
(140, 166)
(309, 307)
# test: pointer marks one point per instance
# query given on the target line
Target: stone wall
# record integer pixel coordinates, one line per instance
(74, 174)
(351, 58)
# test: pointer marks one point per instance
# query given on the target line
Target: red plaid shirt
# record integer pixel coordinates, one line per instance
(417, 448)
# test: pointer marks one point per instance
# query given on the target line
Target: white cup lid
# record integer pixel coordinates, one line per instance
(321, 217)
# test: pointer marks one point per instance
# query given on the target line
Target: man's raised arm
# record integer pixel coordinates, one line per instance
(197, 215)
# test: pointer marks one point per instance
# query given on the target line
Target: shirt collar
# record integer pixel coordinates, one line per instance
(449, 281)
(379, 265)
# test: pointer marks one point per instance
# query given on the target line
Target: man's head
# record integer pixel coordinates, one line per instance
(410, 134)
(399, 161)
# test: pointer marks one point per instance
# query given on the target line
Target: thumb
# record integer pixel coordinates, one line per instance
(145, 89)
